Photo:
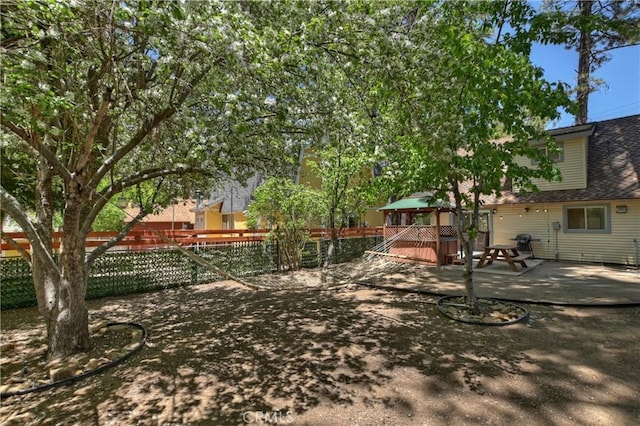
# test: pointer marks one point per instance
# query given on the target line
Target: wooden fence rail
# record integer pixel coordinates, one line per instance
(122, 272)
(140, 240)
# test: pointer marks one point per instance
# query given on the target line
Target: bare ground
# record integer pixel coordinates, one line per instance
(308, 355)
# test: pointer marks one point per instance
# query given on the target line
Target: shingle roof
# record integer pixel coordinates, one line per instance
(178, 212)
(234, 196)
(613, 166)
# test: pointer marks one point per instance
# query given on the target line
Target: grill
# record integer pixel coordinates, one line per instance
(524, 243)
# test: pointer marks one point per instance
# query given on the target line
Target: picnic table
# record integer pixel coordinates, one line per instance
(503, 253)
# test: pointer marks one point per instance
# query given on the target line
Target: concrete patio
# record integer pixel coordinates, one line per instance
(543, 281)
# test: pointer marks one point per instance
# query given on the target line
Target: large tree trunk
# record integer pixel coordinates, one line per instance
(467, 245)
(45, 282)
(46, 285)
(584, 65)
(69, 331)
(467, 275)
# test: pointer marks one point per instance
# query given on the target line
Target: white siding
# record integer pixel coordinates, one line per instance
(573, 167)
(621, 246)
(447, 219)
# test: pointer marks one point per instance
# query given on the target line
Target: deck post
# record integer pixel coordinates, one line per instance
(437, 237)
(384, 225)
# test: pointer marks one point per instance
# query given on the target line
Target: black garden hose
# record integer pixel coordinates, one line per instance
(502, 299)
(443, 296)
(90, 373)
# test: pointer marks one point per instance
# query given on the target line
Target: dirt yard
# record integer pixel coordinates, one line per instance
(222, 354)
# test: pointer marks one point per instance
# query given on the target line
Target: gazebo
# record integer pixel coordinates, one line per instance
(427, 243)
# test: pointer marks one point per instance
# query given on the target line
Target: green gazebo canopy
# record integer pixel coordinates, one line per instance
(417, 203)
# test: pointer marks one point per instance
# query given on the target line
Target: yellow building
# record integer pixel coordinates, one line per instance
(226, 207)
(593, 214)
(306, 176)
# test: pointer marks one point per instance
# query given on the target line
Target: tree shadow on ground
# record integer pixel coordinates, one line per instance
(326, 357)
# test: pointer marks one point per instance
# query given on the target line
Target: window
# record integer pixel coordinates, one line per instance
(587, 219)
(483, 221)
(557, 156)
(227, 221)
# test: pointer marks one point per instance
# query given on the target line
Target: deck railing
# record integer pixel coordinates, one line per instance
(423, 233)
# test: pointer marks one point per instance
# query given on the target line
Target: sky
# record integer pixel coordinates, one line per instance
(620, 97)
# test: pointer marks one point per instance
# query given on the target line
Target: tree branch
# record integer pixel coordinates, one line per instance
(13, 208)
(149, 125)
(104, 196)
(85, 151)
(502, 21)
(608, 49)
(17, 247)
(99, 251)
(39, 148)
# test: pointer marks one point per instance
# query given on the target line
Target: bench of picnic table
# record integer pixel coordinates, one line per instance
(503, 253)
(519, 258)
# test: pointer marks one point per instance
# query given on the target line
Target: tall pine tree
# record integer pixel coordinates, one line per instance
(593, 29)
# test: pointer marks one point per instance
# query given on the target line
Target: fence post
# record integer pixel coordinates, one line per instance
(194, 268)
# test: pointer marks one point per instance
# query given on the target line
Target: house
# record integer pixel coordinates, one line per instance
(593, 214)
(174, 217)
(226, 206)
(370, 215)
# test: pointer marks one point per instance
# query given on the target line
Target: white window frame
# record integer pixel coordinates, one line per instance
(545, 152)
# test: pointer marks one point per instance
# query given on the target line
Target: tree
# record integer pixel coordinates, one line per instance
(99, 99)
(342, 150)
(457, 76)
(338, 126)
(346, 131)
(344, 168)
(593, 29)
(289, 210)
(111, 218)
